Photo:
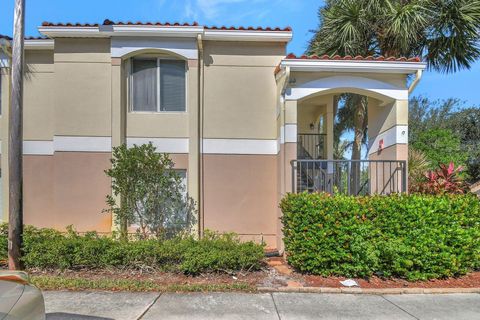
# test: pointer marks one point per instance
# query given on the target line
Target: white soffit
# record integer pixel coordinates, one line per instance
(39, 44)
(306, 65)
(246, 35)
(72, 32)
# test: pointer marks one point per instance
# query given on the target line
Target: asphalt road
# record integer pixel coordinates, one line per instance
(284, 306)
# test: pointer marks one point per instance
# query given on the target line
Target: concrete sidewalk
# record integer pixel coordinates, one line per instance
(284, 306)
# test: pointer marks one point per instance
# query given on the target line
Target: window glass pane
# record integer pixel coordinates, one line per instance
(144, 85)
(172, 85)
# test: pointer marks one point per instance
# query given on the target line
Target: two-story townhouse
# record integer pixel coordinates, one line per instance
(242, 121)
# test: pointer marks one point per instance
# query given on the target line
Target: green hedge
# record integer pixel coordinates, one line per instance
(409, 236)
(50, 249)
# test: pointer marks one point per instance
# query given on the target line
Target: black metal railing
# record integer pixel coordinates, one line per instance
(352, 177)
(311, 146)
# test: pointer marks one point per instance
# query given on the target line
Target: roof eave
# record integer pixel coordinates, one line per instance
(72, 32)
(402, 67)
(248, 35)
(106, 31)
(39, 44)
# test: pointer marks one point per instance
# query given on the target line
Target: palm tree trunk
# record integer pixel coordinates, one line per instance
(360, 123)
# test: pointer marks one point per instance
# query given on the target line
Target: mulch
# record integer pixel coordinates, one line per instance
(471, 280)
(158, 277)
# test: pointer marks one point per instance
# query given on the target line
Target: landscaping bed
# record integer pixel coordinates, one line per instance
(274, 275)
(285, 276)
(133, 280)
(413, 237)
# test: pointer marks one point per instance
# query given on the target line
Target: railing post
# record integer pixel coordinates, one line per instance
(404, 176)
(294, 180)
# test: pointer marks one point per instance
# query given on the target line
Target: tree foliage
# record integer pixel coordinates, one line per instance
(428, 121)
(440, 146)
(147, 192)
(445, 33)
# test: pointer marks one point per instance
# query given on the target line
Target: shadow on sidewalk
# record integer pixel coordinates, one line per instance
(72, 316)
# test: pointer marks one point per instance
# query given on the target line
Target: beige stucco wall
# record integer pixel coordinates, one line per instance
(82, 87)
(240, 195)
(384, 117)
(240, 90)
(39, 95)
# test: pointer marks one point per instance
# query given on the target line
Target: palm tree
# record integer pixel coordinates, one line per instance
(445, 33)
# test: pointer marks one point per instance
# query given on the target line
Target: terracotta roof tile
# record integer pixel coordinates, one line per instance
(108, 22)
(292, 56)
(248, 28)
(2, 36)
(68, 24)
(337, 57)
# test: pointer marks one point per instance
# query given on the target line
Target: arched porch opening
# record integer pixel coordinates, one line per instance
(330, 155)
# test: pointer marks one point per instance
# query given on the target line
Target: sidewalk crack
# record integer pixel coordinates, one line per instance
(411, 315)
(275, 305)
(149, 306)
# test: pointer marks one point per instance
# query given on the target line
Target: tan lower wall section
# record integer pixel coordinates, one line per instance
(68, 188)
(240, 195)
(388, 177)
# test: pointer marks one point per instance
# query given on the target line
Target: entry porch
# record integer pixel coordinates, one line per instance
(311, 90)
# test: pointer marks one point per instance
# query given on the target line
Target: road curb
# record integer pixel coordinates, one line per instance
(370, 290)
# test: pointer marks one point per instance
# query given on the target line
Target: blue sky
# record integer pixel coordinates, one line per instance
(300, 15)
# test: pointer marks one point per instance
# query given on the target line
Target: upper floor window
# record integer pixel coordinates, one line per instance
(157, 85)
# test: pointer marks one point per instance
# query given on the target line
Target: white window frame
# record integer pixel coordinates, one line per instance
(129, 67)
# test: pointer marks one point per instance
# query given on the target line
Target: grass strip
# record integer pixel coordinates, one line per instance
(79, 284)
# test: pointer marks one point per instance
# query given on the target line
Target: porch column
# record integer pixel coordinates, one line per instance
(330, 118)
(290, 142)
(388, 140)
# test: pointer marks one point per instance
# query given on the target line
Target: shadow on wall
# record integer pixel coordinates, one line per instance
(71, 316)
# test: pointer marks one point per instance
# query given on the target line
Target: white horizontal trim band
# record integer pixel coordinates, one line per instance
(89, 144)
(240, 146)
(167, 145)
(290, 133)
(44, 147)
(66, 143)
(395, 135)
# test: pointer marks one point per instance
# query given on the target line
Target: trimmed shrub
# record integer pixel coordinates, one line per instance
(51, 249)
(416, 237)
